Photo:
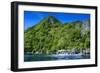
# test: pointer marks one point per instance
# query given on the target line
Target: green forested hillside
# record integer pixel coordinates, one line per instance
(50, 35)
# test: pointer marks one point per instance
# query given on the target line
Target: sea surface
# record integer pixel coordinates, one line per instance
(42, 57)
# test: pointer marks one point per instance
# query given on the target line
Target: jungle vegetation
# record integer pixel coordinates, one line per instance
(50, 35)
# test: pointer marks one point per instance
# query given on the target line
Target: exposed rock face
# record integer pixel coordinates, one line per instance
(85, 27)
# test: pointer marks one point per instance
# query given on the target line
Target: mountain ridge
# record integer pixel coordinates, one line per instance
(50, 35)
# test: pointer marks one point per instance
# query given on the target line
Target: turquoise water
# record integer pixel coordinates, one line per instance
(41, 57)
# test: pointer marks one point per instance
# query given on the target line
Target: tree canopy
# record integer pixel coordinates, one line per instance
(50, 35)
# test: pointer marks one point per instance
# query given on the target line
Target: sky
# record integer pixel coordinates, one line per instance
(31, 18)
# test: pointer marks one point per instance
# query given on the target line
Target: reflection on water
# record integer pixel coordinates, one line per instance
(41, 57)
